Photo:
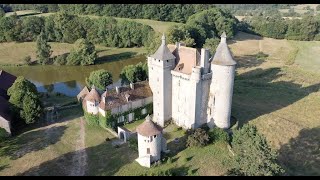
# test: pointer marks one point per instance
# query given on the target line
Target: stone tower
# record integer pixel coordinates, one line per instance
(160, 65)
(150, 142)
(221, 88)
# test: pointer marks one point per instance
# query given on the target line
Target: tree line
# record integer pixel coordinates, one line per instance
(305, 29)
(64, 27)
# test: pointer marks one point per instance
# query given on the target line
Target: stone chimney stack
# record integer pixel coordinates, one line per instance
(131, 85)
(224, 37)
(117, 89)
(204, 63)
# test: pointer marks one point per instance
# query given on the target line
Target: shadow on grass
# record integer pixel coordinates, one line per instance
(301, 155)
(3, 167)
(102, 159)
(248, 61)
(17, 147)
(115, 57)
(257, 93)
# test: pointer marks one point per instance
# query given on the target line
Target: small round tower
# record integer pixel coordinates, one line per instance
(221, 88)
(92, 101)
(149, 142)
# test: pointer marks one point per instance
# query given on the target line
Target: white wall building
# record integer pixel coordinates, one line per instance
(150, 142)
(117, 101)
(190, 87)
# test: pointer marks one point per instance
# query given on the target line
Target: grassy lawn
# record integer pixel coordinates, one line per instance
(13, 52)
(61, 100)
(282, 100)
(133, 126)
(23, 13)
(28, 153)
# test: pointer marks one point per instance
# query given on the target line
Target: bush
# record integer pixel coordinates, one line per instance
(133, 143)
(198, 138)
(169, 161)
(27, 60)
(3, 134)
(217, 134)
(261, 56)
(61, 59)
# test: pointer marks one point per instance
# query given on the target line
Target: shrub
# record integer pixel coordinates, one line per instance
(198, 138)
(261, 56)
(133, 143)
(27, 60)
(3, 134)
(169, 161)
(61, 59)
(217, 134)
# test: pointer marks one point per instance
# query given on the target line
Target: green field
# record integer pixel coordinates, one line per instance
(14, 52)
(158, 26)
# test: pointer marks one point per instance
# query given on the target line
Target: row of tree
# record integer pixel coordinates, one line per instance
(83, 53)
(305, 29)
(63, 27)
(162, 12)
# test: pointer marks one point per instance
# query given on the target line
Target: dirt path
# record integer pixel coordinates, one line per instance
(80, 156)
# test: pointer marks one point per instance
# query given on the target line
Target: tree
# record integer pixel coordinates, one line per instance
(83, 53)
(253, 156)
(198, 138)
(100, 79)
(25, 100)
(212, 44)
(43, 49)
(128, 74)
(134, 73)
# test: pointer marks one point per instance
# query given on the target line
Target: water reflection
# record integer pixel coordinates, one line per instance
(68, 80)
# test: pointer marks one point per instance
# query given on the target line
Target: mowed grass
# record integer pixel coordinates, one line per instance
(281, 100)
(30, 152)
(14, 52)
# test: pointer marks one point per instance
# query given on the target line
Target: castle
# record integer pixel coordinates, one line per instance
(191, 88)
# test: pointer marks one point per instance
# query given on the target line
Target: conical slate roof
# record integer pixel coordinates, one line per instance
(93, 95)
(223, 55)
(163, 53)
(148, 128)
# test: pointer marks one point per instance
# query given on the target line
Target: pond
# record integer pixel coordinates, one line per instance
(69, 80)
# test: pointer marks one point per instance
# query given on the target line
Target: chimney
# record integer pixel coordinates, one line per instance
(131, 85)
(117, 89)
(204, 63)
(223, 37)
(127, 96)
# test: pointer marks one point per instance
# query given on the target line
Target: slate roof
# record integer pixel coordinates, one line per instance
(4, 109)
(223, 55)
(6, 81)
(113, 99)
(163, 53)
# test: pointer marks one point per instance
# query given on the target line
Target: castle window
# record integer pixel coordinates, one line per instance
(167, 60)
(159, 60)
(148, 150)
(154, 136)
